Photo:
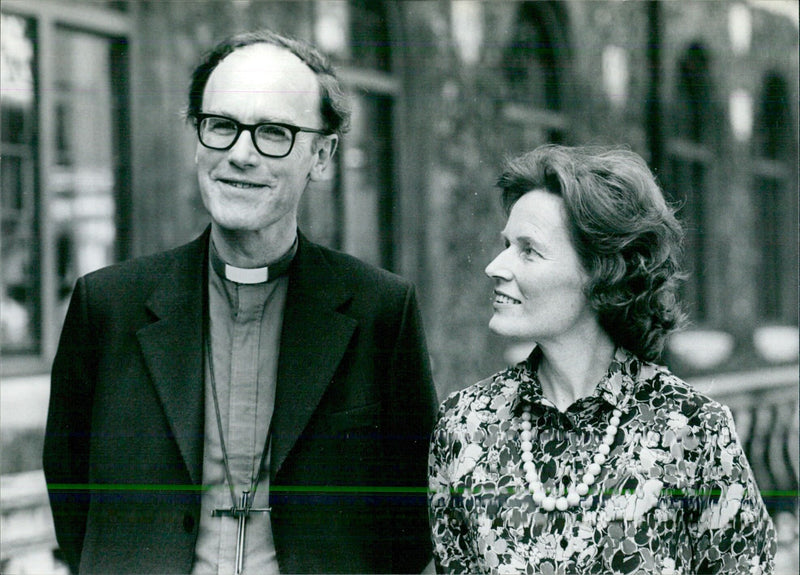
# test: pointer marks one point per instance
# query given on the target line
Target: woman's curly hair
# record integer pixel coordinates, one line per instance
(626, 236)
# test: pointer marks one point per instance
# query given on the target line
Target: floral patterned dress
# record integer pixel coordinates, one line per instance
(675, 496)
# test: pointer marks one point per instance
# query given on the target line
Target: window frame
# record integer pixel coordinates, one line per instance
(360, 80)
(50, 16)
(691, 152)
(552, 122)
(775, 168)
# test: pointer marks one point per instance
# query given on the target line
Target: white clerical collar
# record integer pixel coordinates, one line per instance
(251, 275)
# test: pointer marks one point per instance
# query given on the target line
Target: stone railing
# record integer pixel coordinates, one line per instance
(764, 404)
(27, 538)
(766, 411)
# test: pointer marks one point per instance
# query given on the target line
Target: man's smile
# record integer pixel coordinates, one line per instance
(240, 184)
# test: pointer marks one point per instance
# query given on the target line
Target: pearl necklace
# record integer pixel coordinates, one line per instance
(546, 500)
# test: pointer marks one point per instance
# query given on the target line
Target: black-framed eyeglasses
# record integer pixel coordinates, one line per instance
(272, 139)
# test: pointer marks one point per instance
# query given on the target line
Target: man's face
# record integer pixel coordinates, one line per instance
(242, 189)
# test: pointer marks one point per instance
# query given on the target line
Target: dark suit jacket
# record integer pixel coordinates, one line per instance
(353, 411)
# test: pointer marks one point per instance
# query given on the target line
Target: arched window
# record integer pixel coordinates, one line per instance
(690, 157)
(534, 65)
(353, 210)
(530, 62)
(775, 204)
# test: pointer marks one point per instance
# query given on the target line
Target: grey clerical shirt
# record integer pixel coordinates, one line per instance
(245, 329)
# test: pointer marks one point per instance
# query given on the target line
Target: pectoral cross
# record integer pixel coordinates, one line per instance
(241, 512)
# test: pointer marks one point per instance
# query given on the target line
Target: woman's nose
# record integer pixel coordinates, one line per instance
(498, 268)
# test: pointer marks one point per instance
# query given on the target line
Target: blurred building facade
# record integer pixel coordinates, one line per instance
(97, 167)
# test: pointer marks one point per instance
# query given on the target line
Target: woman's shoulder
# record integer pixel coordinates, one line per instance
(464, 397)
(667, 393)
(483, 395)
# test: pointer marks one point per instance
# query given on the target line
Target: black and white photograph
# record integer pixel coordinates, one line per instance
(400, 286)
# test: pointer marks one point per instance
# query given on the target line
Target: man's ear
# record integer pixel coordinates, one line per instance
(323, 154)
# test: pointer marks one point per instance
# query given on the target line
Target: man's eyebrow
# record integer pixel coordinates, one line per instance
(261, 120)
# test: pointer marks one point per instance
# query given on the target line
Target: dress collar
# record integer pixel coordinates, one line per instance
(618, 383)
(614, 388)
(251, 275)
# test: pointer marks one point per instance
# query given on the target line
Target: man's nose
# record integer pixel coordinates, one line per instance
(244, 152)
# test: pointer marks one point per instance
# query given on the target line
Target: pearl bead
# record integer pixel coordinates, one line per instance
(572, 498)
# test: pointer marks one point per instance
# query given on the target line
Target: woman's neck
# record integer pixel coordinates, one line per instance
(572, 367)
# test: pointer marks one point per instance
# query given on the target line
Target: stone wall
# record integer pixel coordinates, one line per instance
(455, 129)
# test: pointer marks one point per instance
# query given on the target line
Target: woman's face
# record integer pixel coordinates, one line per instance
(539, 280)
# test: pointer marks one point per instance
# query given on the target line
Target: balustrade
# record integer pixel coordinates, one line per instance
(764, 405)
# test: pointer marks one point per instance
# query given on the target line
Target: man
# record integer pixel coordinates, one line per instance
(249, 402)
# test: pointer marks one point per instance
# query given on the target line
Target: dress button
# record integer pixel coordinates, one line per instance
(188, 523)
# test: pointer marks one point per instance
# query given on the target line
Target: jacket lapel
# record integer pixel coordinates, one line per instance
(173, 349)
(313, 341)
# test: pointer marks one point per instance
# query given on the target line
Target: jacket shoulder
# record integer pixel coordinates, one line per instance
(149, 269)
(358, 273)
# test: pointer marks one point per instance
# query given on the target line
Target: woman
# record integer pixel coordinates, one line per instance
(588, 457)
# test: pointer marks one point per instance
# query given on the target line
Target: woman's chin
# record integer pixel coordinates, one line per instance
(505, 328)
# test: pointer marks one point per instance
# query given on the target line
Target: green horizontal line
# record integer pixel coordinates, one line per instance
(197, 488)
(346, 489)
(122, 487)
(366, 489)
(774, 493)
(668, 492)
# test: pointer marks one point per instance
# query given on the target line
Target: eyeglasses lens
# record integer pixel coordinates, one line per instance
(273, 140)
(270, 139)
(217, 132)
